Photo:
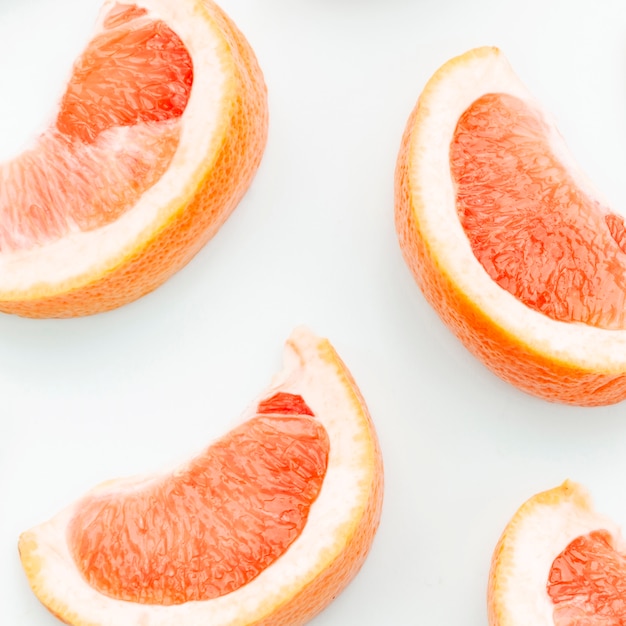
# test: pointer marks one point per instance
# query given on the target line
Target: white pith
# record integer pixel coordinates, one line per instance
(448, 95)
(537, 534)
(336, 511)
(81, 253)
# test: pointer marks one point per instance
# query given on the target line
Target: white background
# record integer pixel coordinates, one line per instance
(313, 243)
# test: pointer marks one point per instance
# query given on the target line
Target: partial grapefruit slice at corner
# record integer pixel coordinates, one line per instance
(508, 240)
(266, 526)
(558, 563)
(157, 137)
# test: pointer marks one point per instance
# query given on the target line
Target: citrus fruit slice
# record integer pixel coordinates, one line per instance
(508, 240)
(157, 136)
(558, 563)
(265, 526)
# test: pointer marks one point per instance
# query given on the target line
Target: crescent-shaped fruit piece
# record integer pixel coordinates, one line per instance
(158, 135)
(508, 240)
(558, 563)
(265, 526)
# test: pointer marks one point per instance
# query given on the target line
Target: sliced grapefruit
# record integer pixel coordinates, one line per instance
(265, 526)
(558, 563)
(158, 135)
(507, 238)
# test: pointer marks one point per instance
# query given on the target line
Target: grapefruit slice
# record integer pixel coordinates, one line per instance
(558, 563)
(158, 134)
(508, 240)
(265, 526)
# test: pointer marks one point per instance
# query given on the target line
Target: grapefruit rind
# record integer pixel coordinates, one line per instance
(538, 532)
(568, 362)
(322, 560)
(223, 136)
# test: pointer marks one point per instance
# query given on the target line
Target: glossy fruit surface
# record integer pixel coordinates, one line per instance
(157, 136)
(558, 563)
(265, 526)
(507, 238)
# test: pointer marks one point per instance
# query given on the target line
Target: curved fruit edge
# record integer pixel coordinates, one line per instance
(167, 252)
(31, 563)
(340, 568)
(310, 362)
(538, 531)
(515, 362)
(503, 553)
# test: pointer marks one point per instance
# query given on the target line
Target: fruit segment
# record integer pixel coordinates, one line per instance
(284, 404)
(114, 137)
(587, 582)
(508, 239)
(536, 233)
(157, 136)
(265, 527)
(211, 528)
(137, 70)
(558, 563)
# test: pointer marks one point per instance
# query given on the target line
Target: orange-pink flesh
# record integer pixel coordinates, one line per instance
(115, 134)
(210, 529)
(283, 403)
(587, 583)
(536, 233)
